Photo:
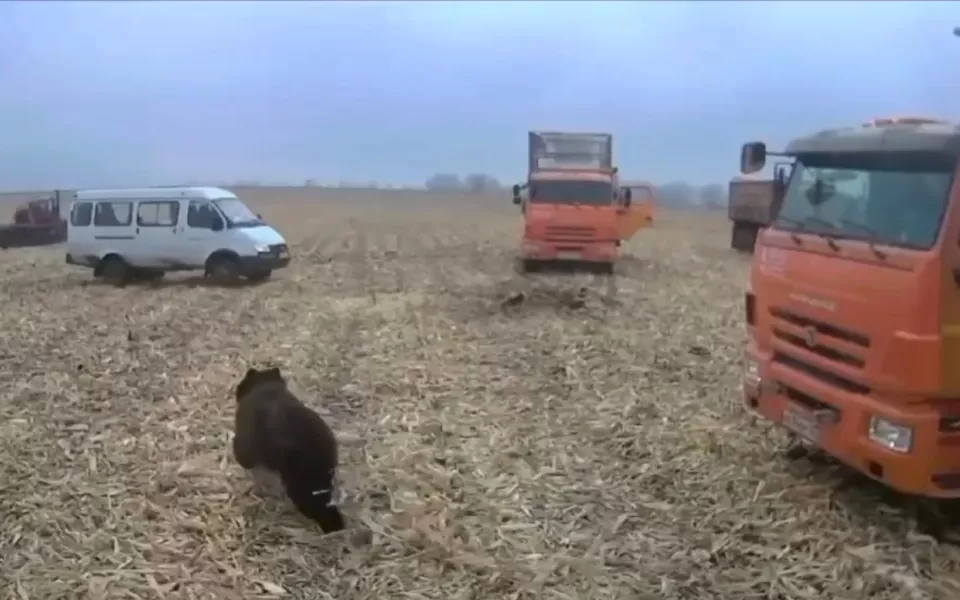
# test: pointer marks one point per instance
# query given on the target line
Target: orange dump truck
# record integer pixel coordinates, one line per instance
(575, 211)
(853, 307)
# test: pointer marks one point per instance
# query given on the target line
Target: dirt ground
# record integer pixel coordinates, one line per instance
(580, 444)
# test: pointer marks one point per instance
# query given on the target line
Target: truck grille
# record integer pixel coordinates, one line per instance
(278, 248)
(798, 335)
(570, 233)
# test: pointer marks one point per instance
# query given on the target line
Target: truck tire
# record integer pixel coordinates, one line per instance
(258, 276)
(744, 236)
(603, 268)
(529, 265)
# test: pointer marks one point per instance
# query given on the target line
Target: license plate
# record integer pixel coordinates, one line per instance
(568, 255)
(802, 423)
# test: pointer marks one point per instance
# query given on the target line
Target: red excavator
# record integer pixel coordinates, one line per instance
(36, 223)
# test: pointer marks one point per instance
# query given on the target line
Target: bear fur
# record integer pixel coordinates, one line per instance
(277, 433)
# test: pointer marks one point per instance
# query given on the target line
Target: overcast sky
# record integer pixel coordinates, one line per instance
(126, 93)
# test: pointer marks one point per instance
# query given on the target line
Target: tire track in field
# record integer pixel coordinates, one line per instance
(402, 260)
(342, 355)
(423, 270)
(339, 246)
(385, 255)
(360, 268)
(438, 282)
(413, 269)
(323, 246)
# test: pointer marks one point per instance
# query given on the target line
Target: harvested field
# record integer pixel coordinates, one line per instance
(562, 446)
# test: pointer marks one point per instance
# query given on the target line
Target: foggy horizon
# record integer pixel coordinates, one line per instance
(133, 94)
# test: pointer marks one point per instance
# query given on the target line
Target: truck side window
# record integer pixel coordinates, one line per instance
(199, 215)
(158, 213)
(81, 214)
(113, 214)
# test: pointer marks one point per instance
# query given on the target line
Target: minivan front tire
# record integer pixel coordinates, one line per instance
(223, 270)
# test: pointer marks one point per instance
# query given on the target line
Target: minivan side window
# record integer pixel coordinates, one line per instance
(113, 214)
(200, 214)
(81, 214)
(160, 213)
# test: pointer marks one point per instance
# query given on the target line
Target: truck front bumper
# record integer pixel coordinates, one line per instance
(605, 252)
(901, 445)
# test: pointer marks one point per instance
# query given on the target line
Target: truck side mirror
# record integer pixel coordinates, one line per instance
(627, 197)
(516, 193)
(216, 223)
(753, 156)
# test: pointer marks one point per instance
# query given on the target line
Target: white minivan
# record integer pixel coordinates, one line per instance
(142, 233)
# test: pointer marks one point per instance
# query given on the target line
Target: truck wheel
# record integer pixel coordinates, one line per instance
(223, 270)
(530, 266)
(146, 275)
(744, 237)
(258, 276)
(114, 270)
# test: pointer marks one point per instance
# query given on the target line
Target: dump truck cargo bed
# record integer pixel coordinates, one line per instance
(751, 200)
(569, 150)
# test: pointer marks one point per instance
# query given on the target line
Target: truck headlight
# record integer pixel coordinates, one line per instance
(264, 249)
(890, 435)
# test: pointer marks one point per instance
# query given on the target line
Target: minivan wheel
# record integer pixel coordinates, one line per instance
(223, 270)
(114, 271)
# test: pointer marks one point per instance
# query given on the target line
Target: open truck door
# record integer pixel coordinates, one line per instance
(781, 177)
(636, 211)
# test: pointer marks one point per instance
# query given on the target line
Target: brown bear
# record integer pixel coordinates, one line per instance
(276, 432)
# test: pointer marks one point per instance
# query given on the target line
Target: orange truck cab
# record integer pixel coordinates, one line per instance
(853, 305)
(571, 201)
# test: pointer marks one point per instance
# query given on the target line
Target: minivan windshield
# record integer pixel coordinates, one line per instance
(887, 198)
(571, 192)
(237, 213)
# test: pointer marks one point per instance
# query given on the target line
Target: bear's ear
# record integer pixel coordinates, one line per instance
(272, 373)
(250, 374)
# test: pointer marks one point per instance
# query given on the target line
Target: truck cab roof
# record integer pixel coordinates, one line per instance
(882, 136)
(571, 175)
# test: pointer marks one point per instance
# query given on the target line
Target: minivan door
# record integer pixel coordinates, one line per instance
(114, 231)
(158, 240)
(200, 240)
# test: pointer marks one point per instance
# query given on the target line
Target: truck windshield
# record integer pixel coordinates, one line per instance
(237, 213)
(571, 192)
(898, 200)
